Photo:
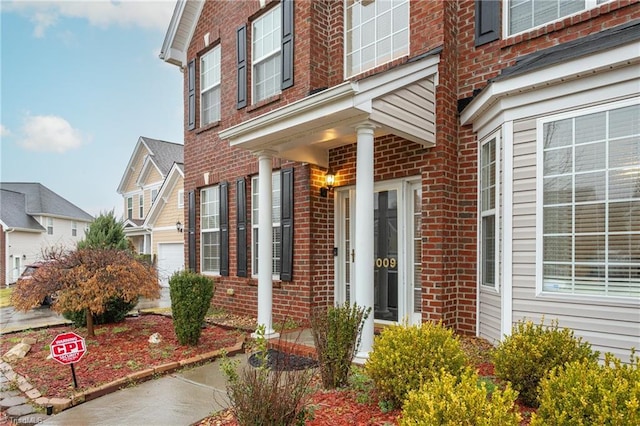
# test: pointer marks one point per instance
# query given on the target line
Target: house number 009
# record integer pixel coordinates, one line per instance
(386, 262)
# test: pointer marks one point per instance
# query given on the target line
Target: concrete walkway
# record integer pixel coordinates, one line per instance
(177, 399)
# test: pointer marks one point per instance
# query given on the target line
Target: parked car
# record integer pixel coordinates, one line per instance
(27, 275)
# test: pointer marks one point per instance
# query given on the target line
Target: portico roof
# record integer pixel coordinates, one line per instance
(400, 102)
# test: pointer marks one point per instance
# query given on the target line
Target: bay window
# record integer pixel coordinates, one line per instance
(591, 201)
(488, 213)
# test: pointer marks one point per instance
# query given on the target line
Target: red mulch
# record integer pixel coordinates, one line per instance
(117, 351)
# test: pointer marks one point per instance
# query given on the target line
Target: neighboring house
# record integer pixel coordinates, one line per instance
(485, 158)
(152, 188)
(34, 219)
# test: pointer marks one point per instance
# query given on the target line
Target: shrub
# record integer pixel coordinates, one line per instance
(336, 334)
(585, 393)
(191, 295)
(405, 357)
(531, 351)
(115, 311)
(449, 400)
(264, 396)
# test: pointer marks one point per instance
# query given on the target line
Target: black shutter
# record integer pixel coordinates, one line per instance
(287, 44)
(224, 229)
(286, 225)
(241, 229)
(241, 52)
(487, 21)
(192, 231)
(191, 72)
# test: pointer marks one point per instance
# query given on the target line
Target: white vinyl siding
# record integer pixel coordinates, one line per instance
(275, 226)
(210, 229)
(591, 202)
(210, 86)
(524, 15)
(266, 45)
(377, 32)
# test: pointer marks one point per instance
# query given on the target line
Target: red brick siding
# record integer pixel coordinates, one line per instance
(448, 171)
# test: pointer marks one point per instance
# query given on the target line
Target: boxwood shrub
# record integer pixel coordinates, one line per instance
(191, 295)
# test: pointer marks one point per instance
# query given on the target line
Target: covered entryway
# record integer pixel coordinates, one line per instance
(170, 260)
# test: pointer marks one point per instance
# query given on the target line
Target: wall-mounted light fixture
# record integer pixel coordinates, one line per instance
(179, 226)
(24, 257)
(329, 180)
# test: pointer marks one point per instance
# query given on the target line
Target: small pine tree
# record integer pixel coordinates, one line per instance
(106, 232)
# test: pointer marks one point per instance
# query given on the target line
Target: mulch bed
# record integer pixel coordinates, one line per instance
(117, 351)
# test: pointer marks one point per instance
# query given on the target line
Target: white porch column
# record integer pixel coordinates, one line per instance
(364, 261)
(265, 244)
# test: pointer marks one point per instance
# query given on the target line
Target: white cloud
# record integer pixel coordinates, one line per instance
(4, 131)
(48, 133)
(154, 14)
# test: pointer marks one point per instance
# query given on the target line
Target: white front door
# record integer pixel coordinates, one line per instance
(397, 250)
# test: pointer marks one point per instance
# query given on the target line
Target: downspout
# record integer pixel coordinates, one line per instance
(6, 253)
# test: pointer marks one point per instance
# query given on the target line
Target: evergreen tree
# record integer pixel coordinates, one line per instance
(106, 232)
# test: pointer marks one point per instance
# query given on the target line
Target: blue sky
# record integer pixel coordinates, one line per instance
(81, 81)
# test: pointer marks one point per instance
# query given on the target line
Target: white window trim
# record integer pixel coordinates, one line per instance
(50, 226)
(254, 226)
(129, 207)
(589, 4)
(141, 206)
(181, 198)
(215, 85)
(258, 61)
(74, 228)
(609, 106)
(347, 72)
(214, 189)
(495, 212)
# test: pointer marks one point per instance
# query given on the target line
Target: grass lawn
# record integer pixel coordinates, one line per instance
(5, 297)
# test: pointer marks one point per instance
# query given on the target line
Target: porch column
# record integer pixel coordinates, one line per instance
(265, 243)
(364, 261)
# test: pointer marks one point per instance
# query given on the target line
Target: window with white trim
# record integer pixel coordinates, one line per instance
(266, 46)
(524, 15)
(591, 201)
(181, 198)
(49, 226)
(129, 207)
(275, 225)
(377, 32)
(141, 206)
(154, 194)
(488, 197)
(210, 229)
(74, 228)
(210, 86)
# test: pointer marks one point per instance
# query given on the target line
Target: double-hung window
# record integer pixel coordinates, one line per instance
(141, 206)
(488, 213)
(49, 226)
(74, 228)
(377, 32)
(210, 229)
(210, 86)
(129, 207)
(275, 224)
(590, 187)
(266, 45)
(523, 15)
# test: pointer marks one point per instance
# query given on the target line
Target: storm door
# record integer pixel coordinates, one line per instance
(397, 260)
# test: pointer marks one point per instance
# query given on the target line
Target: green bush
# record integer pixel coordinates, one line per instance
(585, 393)
(191, 295)
(531, 351)
(403, 358)
(336, 334)
(116, 310)
(464, 400)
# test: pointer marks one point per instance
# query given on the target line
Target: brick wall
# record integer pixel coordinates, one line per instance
(448, 170)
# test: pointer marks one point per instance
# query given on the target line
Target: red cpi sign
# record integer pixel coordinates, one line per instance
(68, 348)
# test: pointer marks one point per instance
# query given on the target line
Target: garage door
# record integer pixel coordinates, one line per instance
(170, 260)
